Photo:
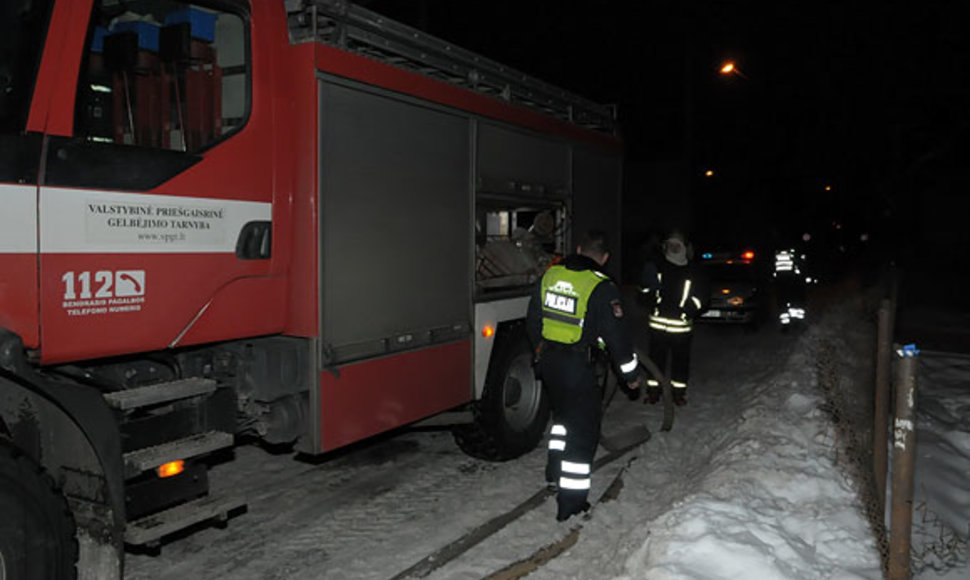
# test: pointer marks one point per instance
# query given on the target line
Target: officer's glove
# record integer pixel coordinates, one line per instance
(645, 297)
(637, 381)
(632, 386)
(537, 352)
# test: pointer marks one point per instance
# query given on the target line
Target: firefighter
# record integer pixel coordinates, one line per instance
(675, 293)
(575, 308)
(790, 286)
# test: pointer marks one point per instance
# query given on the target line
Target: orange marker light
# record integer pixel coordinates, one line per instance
(171, 468)
(749, 255)
(725, 290)
(488, 331)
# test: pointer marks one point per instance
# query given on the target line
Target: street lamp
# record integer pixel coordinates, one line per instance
(730, 68)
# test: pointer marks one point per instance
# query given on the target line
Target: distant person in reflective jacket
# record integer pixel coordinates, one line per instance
(791, 283)
(674, 293)
(574, 308)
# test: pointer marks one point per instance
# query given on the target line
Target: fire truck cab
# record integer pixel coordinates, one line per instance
(293, 220)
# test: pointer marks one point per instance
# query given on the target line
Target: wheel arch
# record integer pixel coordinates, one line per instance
(510, 417)
(506, 332)
(502, 316)
(68, 429)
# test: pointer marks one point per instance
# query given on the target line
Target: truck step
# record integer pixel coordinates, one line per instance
(141, 460)
(160, 393)
(148, 530)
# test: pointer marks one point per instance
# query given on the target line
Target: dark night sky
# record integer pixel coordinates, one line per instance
(869, 98)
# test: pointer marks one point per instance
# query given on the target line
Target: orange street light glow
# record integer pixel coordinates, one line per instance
(728, 68)
(709, 173)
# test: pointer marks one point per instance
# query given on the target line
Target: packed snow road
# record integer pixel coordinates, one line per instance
(373, 511)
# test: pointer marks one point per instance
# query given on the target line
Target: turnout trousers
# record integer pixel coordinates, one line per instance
(675, 347)
(790, 298)
(571, 384)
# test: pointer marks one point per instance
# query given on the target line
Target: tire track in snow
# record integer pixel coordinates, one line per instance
(325, 520)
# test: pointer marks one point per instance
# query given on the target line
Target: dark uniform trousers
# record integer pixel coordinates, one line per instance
(676, 345)
(569, 379)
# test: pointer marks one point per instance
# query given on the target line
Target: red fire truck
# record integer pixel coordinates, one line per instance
(293, 220)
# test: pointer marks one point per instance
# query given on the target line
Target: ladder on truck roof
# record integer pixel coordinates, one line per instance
(356, 29)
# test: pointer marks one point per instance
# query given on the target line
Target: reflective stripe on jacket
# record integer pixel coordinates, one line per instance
(677, 298)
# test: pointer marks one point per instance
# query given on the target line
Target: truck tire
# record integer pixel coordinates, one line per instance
(511, 417)
(37, 540)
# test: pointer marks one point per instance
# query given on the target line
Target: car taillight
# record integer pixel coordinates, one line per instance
(748, 255)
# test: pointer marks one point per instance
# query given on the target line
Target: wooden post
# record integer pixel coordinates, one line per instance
(881, 405)
(904, 460)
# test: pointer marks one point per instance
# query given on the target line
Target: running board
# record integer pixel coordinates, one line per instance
(149, 530)
(160, 393)
(151, 457)
(446, 419)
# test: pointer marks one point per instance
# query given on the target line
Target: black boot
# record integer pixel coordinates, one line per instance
(566, 513)
(680, 397)
(653, 395)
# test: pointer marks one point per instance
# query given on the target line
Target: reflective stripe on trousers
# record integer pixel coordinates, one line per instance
(574, 475)
(674, 384)
(557, 438)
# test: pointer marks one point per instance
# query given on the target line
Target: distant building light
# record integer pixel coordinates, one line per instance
(806, 237)
(864, 238)
(709, 173)
(707, 255)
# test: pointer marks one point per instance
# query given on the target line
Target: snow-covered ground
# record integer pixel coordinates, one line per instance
(746, 485)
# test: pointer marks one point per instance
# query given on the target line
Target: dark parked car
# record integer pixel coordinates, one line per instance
(735, 280)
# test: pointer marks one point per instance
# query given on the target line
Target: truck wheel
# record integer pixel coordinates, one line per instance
(36, 530)
(511, 417)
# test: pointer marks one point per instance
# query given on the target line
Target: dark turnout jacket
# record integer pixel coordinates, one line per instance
(674, 295)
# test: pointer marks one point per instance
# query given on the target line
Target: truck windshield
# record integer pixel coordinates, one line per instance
(23, 26)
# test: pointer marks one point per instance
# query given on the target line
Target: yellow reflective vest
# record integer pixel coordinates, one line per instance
(565, 295)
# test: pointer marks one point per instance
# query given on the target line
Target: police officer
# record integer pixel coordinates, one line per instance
(575, 306)
(678, 294)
